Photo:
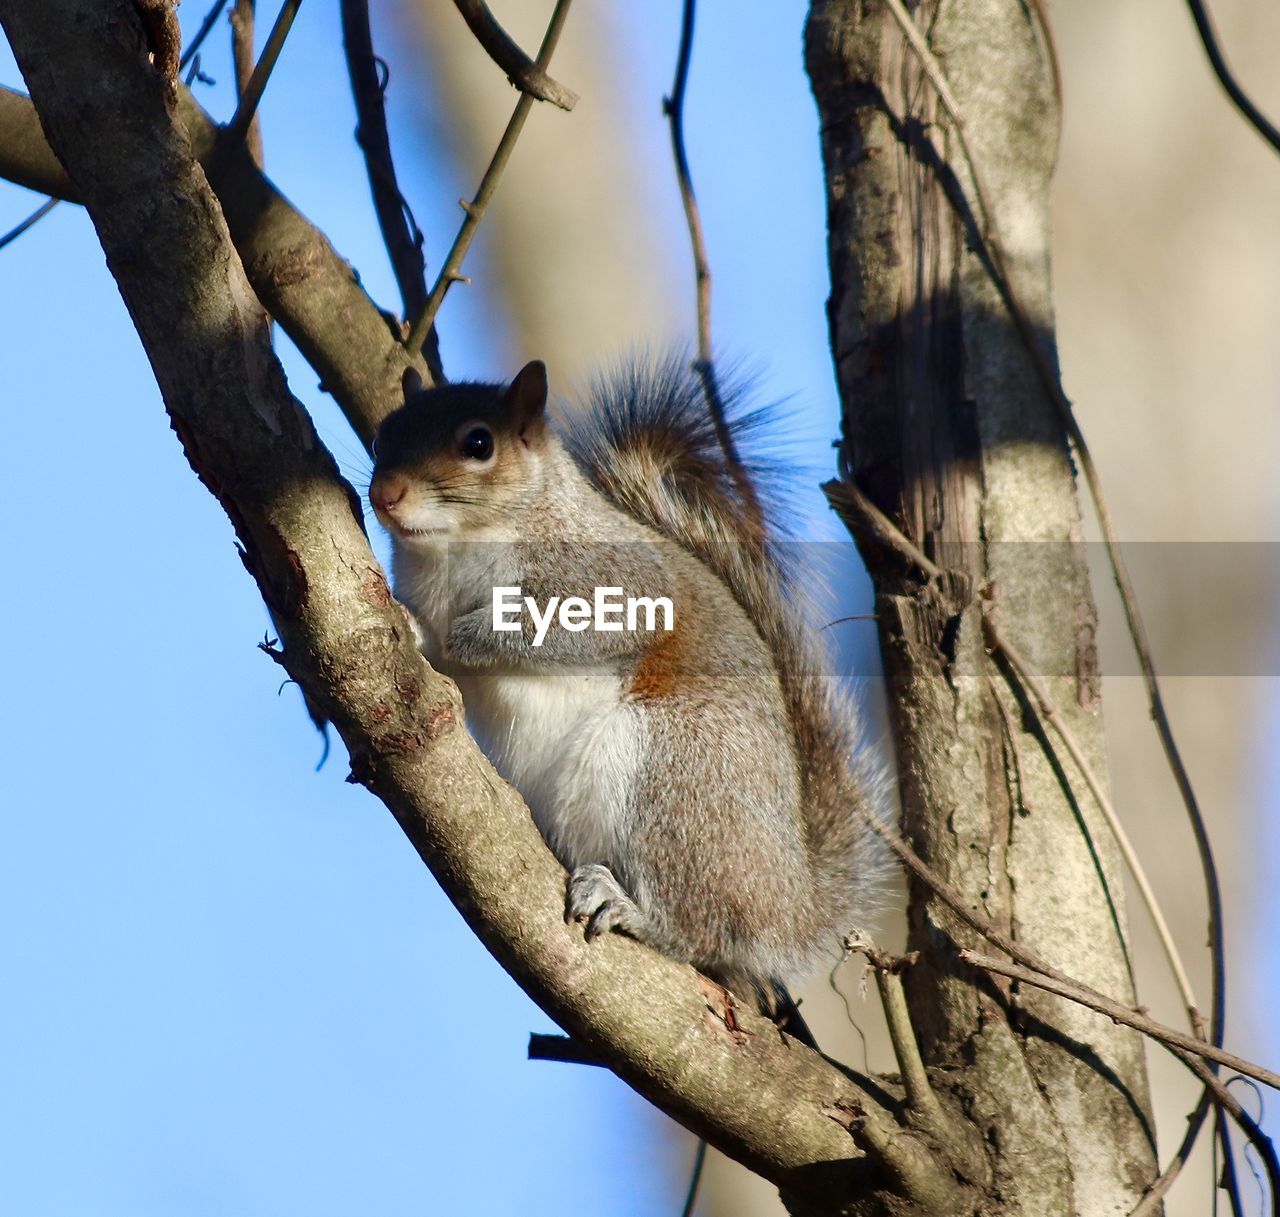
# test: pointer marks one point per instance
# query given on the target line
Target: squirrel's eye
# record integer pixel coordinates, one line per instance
(477, 444)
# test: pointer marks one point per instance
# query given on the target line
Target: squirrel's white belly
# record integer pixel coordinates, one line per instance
(569, 744)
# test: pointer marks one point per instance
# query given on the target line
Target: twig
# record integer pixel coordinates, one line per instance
(1049, 712)
(242, 32)
(1227, 1102)
(921, 1101)
(527, 76)
(1256, 119)
(202, 33)
(475, 210)
(695, 1177)
(400, 234)
(704, 365)
(34, 218)
(1230, 1178)
(1149, 1205)
(1128, 597)
(238, 127)
(868, 523)
(1085, 996)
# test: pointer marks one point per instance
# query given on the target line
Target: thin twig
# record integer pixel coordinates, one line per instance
(527, 76)
(1049, 712)
(242, 40)
(704, 365)
(400, 233)
(695, 1177)
(1149, 1205)
(202, 33)
(475, 210)
(1227, 1102)
(1230, 1178)
(34, 218)
(868, 523)
(921, 1101)
(1128, 597)
(1114, 1010)
(252, 95)
(1256, 119)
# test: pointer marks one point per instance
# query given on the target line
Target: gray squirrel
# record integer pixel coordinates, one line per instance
(703, 784)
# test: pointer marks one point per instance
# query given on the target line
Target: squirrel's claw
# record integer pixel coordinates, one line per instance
(596, 897)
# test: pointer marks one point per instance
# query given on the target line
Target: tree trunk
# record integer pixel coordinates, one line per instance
(948, 431)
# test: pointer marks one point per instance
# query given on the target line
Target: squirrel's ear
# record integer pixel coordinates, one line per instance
(526, 398)
(410, 383)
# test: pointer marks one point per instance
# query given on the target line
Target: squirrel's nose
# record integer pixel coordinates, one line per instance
(387, 489)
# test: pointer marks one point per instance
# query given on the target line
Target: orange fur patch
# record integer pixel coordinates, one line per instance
(657, 673)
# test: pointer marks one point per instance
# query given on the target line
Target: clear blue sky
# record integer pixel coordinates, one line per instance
(230, 985)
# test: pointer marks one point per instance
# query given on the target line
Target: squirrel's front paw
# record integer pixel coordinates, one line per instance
(597, 898)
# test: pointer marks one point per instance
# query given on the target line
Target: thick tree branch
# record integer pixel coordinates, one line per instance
(730, 1076)
(305, 284)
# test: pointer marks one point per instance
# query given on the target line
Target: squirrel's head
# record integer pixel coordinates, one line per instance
(458, 458)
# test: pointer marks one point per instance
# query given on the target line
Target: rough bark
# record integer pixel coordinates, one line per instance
(946, 429)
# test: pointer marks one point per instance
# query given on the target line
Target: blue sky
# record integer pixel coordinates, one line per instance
(231, 987)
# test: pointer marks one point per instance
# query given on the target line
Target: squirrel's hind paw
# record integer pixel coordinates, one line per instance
(597, 898)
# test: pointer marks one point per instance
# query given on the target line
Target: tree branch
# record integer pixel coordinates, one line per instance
(704, 365)
(1118, 1013)
(255, 86)
(451, 271)
(242, 43)
(400, 234)
(527, 76)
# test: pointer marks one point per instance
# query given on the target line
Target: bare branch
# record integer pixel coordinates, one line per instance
(400, 234)
(242, 41)
(1209, 40)
(34, 218)
(673, 107)
(1119, 1013)
(922, 1103)
(202, 33)
(251, 95)
(451, 271)
(1048, 711)
(527, 76)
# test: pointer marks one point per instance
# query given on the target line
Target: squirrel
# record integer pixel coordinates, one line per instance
(702, 784)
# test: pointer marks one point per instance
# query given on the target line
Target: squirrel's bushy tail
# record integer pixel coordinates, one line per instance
(652, 449)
